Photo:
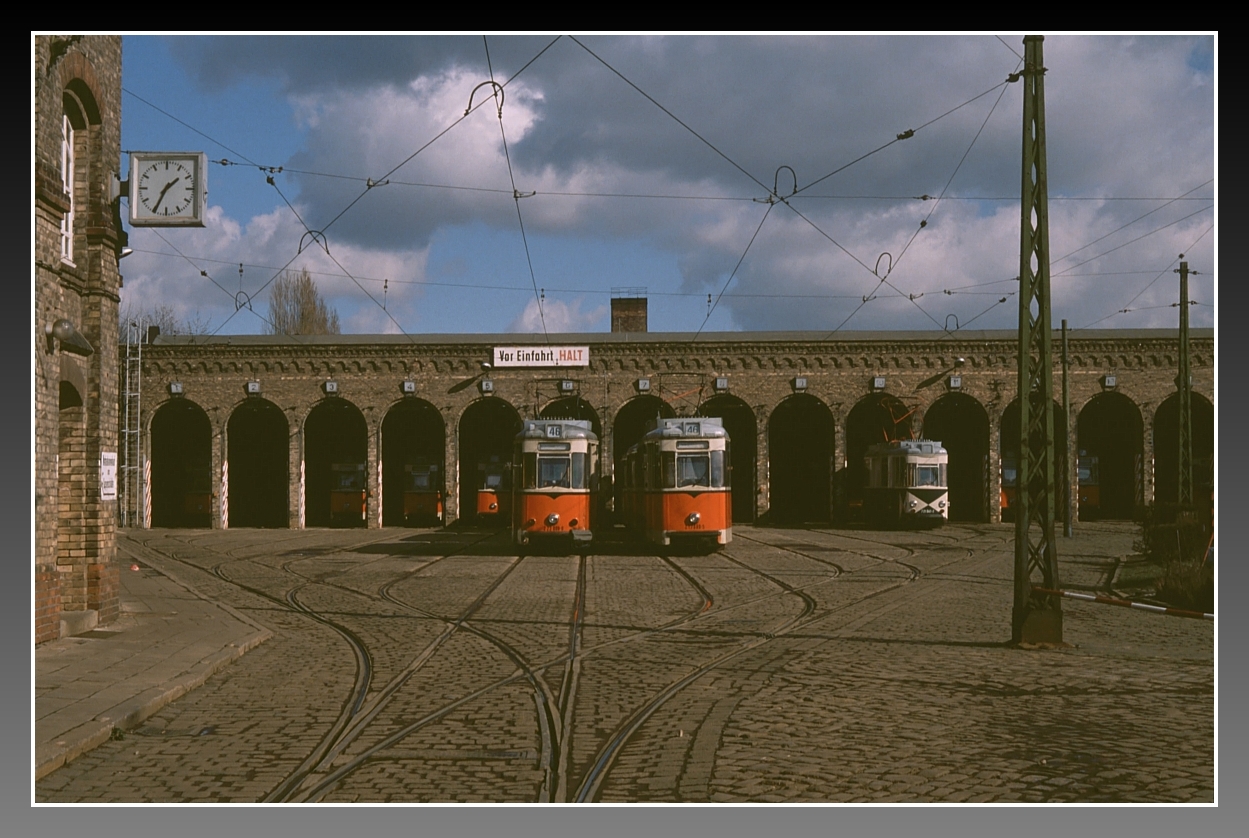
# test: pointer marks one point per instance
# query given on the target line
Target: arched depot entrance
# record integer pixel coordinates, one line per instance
(335, 458)
(1009, 459)
(181, 466)
(800, 449)
(487, 430)
(257, 471)
(961, 425)
(632, 422)
(877, 418)
(739, 421)
(413, 467)
(1167, 450)
(1110, 465)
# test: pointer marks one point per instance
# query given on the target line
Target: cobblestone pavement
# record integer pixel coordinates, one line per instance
(795, 665)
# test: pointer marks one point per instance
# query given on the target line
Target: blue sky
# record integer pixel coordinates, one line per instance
(625, 195)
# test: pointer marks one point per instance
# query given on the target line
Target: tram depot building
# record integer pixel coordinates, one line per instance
(248, 430)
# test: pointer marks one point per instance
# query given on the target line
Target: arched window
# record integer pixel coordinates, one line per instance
(67, 184)
(74, 158)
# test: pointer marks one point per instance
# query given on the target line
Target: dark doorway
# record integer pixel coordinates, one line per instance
(961, 425)
(181, 466)
(739, 421)
(336, 448)
(1109, 441)
(632, 422)
(876, 418)
(1010, 460)
(800, 448)
(413, 455)
(257, 466)
(1167, 450)
(487, 429)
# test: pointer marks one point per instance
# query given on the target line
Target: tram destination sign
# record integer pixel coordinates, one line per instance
(541, 356)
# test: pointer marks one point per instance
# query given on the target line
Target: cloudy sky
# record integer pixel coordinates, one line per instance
(657, 163)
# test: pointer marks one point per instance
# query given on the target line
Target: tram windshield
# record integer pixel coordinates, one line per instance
(555, 471)
(694, 470)
(926, 475)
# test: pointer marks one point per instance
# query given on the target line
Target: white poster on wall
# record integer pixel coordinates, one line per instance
(108, 475)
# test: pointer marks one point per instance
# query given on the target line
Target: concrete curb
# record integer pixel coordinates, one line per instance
(152, 559)
(128, 714)
(49, 756)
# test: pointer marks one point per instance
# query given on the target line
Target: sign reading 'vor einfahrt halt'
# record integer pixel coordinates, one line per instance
(541, 356)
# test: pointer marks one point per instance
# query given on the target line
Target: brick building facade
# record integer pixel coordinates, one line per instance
(78, 234)
(800, 408)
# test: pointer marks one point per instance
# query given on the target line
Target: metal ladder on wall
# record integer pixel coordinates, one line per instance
(130, 510)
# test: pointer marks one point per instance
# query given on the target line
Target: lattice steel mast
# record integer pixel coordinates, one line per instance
(1183, 383)
(1035, 618)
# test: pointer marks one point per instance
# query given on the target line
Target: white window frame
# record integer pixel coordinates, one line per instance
(67, 183)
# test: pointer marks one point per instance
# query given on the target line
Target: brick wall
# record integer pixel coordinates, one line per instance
(74, 529)
(760, 370)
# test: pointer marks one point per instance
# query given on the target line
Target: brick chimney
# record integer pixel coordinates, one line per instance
(628, 313)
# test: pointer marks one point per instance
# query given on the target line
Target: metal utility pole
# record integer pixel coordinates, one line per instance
(1066, 494)
(1184, 384)
(1035, 618)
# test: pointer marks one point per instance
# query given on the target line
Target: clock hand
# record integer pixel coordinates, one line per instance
(161, 197)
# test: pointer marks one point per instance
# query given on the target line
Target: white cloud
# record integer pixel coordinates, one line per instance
(558, 316)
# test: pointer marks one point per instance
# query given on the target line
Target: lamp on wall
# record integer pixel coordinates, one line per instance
(70, 338)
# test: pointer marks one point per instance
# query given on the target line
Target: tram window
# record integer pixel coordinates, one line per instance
(578, 471)
(693, 470)
(420, 480)
(553, 472)
(530, 470)
(719, 476)
(925, 475)
(670, 469)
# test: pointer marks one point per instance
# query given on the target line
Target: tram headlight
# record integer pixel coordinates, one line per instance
(913, 504)
(572, 524)
(552, 519)
(941, 504)
(693, 518)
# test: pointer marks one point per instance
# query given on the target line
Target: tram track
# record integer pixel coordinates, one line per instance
(323, 770)
(592, 782)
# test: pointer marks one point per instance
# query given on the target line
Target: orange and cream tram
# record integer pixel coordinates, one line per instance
(555, 481)
(906, 483)
(422, 493)
(494, 501)
(347, 492)
(677, 483)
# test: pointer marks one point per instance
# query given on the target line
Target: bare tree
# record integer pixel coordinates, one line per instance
(296, 307)
(164, 317)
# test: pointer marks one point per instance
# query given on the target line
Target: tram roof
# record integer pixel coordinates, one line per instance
(611, 338)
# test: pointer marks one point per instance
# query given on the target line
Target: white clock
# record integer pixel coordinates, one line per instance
(167, 188)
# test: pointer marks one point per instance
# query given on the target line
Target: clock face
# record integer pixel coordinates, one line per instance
(166, 189)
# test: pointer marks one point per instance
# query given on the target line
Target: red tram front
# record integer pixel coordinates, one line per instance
(494, 487)
(677, 483)
(347, 495)
(422, 494)
(555, 481)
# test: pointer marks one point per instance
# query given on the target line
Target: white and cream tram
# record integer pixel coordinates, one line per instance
(907, 483)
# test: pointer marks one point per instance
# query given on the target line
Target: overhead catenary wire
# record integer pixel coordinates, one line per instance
(1127, 308)
(1130, 223)
(711, 309)
(516, 196)
(886, 280)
